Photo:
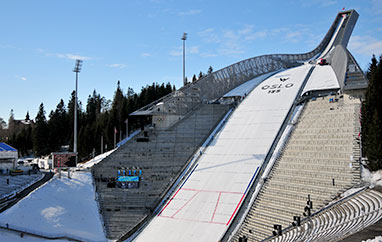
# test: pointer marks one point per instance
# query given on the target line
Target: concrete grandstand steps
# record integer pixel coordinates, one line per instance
(288, 171)
(312, 166)
(160, 159)
(322, 147)
(305, 180)
(323, 161)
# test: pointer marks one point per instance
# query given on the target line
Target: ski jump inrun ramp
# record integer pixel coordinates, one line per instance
(205, 203)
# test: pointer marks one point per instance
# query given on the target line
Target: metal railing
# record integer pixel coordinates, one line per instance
(218, 83)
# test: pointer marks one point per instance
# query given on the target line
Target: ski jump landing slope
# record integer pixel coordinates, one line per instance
(205, 204)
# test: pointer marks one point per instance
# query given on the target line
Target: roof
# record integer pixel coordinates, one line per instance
(248, 86)
(5, 147)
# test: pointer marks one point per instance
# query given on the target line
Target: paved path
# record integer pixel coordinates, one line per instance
(27, 190)
(39, 236)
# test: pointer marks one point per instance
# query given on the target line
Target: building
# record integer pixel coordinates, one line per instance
(8, 156)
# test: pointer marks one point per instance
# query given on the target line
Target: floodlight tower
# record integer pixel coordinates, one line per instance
(77, 69)
(184, 37)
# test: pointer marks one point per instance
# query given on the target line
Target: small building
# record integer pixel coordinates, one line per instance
(8, 156)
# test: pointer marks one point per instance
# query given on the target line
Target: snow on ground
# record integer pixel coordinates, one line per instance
(374, 178)
(376, 239)
(17, 183)
(350, 192)
(100, 157)
(95, 160)
(6, 235)
(61, 207)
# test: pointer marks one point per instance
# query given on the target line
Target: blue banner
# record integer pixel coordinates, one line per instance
(128, 178)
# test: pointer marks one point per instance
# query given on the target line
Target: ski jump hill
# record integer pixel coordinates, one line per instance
(259, 150)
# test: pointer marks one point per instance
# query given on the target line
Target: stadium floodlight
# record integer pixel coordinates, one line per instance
(184, 37)
(77, 69)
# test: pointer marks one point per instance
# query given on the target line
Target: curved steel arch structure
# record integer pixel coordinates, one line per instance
(218, 83)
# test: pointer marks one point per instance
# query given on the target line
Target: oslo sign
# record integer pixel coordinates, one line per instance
(276, 88)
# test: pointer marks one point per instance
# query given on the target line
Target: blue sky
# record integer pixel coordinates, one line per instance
(139, 42)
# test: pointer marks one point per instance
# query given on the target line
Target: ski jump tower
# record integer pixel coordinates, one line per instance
(201, 160)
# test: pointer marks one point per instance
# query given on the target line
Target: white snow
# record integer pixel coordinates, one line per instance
(6, 235)
(374, 178)
(62, 207)
(204, 205)
(349, 192)
(17, 183)
(376, 239)
(95, 160)
(322, 78)
(100, 157)
(248, 86)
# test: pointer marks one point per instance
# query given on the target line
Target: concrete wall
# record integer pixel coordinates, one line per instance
(165, 121)
(339, 63)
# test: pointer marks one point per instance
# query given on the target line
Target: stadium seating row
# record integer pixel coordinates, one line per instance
(319, 161)
(161, 159)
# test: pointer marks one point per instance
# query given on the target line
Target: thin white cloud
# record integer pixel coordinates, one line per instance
(23, 78)
(256, 35)
(234, 42)
(193, 49)
(376, 6)
(73, 57)
(9, 47)
(120, 66)
(365, 45)
(294, 36)
(189, 50)
(177, 52)
(210, 36)
(208, 55)
(190, 12)
(320, 3)
(246, 30)
(70, 56)
(145, 54)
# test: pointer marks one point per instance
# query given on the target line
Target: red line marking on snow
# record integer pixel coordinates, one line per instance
(235, 209)
(196, 192)
(189, 200)
(168, 202)
(216, 206)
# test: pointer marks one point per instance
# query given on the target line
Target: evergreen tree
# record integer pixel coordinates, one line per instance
(118, 111)
(200, 75)
(27, 116)
(210, 70)
(40, 133)
(372, 67)
(194, 79)
(372, 116)
(58, 127)
(99, 119)
(11, 122)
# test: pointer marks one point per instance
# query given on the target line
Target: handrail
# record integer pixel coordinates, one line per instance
(317, 213)
(221, 81)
